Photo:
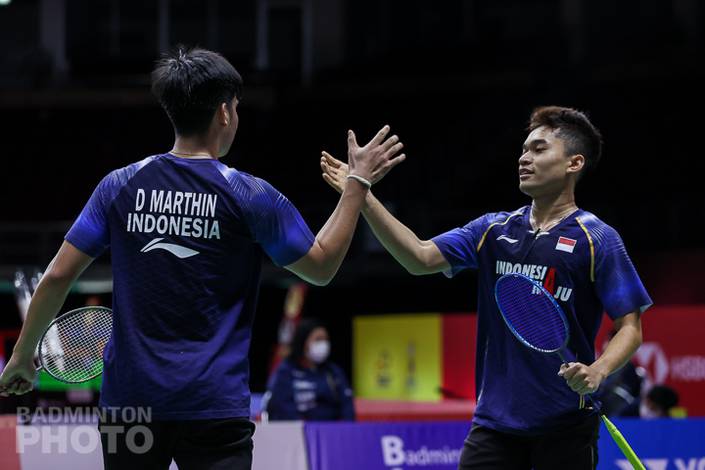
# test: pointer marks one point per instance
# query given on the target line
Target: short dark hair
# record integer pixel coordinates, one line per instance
(663, 396)
(190, 84)
(297, 348)
(576, 130)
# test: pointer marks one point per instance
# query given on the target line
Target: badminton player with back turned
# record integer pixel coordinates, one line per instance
(187, 235)
(531, 412)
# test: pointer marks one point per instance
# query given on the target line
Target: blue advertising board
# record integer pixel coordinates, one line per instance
(661, 444)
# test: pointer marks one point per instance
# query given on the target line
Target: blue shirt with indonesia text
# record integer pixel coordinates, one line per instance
(186, 238)
(583, 263)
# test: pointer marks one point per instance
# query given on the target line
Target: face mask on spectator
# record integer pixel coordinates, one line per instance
(318, 351)
(646, 412)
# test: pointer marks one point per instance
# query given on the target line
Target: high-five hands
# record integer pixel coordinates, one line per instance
(371, 162)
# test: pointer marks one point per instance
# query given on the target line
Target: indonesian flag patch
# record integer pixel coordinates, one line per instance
(566, 244)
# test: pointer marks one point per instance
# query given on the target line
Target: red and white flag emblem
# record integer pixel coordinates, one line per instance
(566, 244)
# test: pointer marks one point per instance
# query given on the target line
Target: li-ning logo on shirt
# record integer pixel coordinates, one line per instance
(176, 250)
(507, 239)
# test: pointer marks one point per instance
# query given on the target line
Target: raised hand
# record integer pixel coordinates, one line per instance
(335, 172)
(375, 159)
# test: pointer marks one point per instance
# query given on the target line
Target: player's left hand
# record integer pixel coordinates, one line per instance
(581, 378)
(334, 171)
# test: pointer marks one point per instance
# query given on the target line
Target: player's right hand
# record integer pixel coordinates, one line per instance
(375, 159)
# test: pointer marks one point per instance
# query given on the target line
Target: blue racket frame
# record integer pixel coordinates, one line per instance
(563, 352)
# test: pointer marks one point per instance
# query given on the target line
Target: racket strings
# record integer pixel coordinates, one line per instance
(531, 313)
(72, 348)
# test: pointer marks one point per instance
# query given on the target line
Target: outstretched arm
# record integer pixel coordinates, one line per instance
(64, 269)
(369, 164)
(416, 255)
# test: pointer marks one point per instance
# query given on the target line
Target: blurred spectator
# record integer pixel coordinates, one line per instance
(620, 392)
(306, 385)
(658, 402)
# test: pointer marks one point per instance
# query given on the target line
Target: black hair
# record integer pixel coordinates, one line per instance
(576, 130)
(298, 342)
(663, 396)
(190, 84)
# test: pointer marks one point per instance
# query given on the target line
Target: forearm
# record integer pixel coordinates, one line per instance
(335, 236)
(620, 349)
(45, 304)
(397, 239)
(51, 292)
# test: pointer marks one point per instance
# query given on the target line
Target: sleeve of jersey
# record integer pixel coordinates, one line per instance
(89, 233)
(459, 246)
(277, 226)
(617, 283)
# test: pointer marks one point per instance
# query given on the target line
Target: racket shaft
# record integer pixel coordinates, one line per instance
(623, 444)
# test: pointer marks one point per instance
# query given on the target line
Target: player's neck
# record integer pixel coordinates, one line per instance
(194, 147)
(548, 211)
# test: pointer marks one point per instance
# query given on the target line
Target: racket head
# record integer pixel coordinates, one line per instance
(531, 313)
(71, 348)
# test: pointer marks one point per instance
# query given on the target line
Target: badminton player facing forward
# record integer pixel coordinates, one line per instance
(187, 235)
(530, 411)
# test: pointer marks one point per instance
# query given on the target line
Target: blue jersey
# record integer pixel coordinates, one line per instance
(186, 238)
(583, 263)
(319, 394)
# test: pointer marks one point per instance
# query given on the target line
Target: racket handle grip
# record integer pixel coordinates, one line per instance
(567, 356)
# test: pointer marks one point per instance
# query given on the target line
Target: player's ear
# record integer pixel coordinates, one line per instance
(575, 163)
(223, 114)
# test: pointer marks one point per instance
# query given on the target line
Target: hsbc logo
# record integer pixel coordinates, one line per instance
(651, 357)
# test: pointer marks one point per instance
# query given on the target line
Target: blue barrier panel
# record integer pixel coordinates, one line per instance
(385, 446)
(662, 445)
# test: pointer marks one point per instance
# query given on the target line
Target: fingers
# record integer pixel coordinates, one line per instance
(330, 159)
(335, 174)
(389, 142)
(393, 150)
(331, 182)
(24, 387)
(383, 170)
(578, 377)
(567, 371)
(352, 140)
(379, 138)
(5, 383)
(395, 161)
(332, 162)
(17, 386)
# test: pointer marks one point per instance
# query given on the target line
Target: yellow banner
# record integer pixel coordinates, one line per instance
(397, 357)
